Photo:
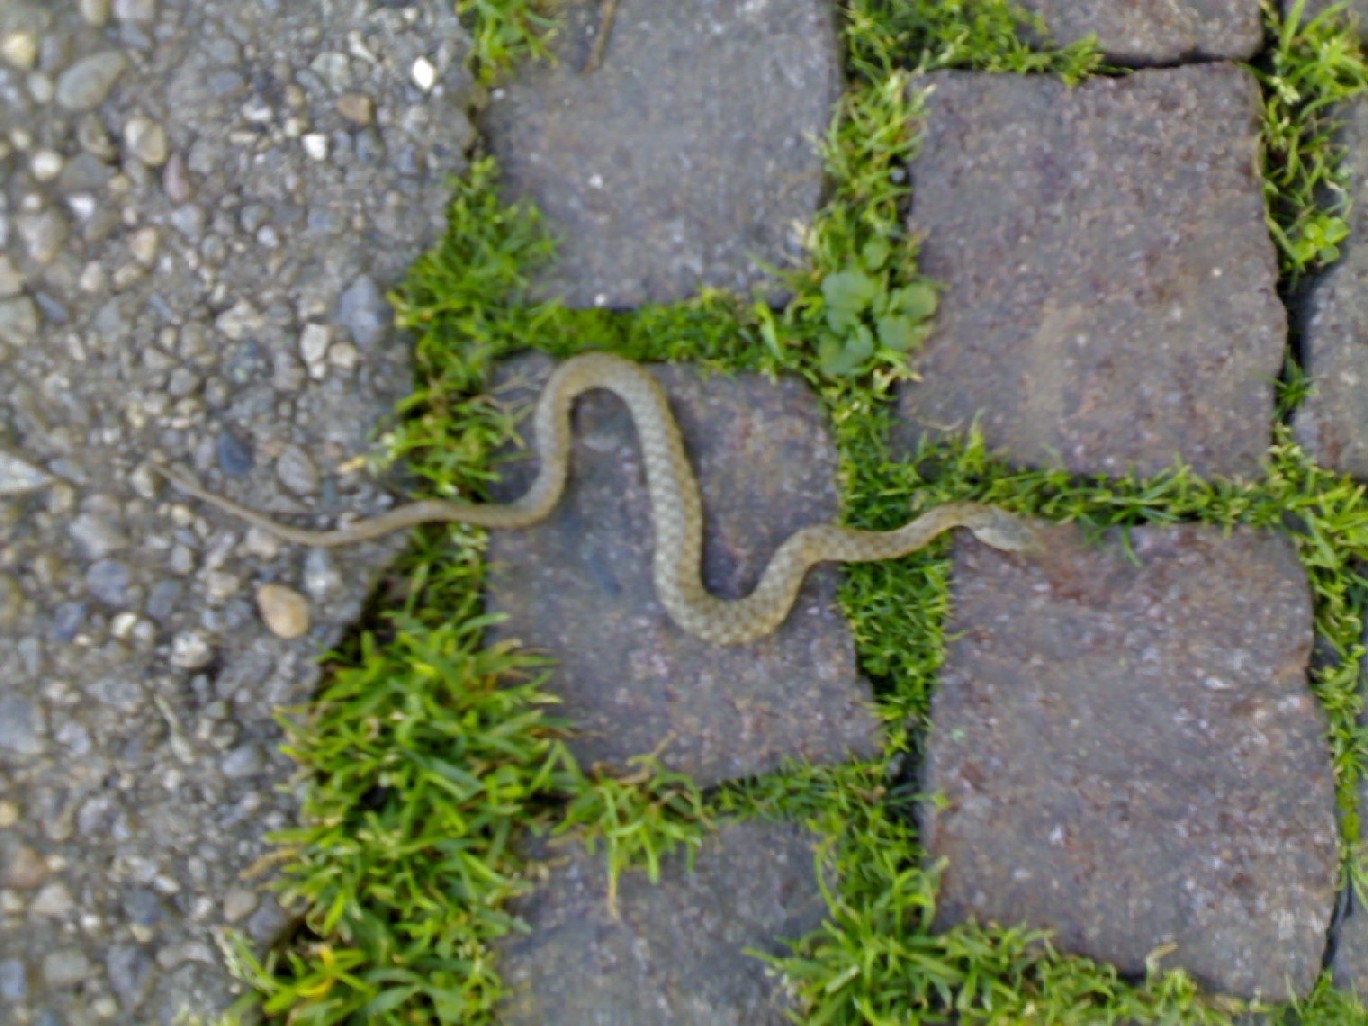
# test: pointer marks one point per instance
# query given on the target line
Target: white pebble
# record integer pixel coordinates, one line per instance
(46, 165)
(82, 204)
(92, 277)
(313, 342)
(146, 140)
(143, 246)
(95, 12)
(41, 87)
(344, 356)
(424, 74)
(122, 625)
(316, 146)
(19, 49)
(191, 650)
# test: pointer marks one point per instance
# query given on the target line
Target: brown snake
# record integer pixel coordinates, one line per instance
(676, 509)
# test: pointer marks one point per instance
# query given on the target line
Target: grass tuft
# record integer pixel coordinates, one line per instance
(507, 32)
(638, 817)
(1308, 70)
(424, 761)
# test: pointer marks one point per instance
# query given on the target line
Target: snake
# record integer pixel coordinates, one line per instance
(676, 511)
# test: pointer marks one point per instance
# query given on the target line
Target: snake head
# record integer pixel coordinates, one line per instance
(1006, 531)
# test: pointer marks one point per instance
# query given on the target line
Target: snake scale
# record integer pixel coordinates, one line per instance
(676, 509)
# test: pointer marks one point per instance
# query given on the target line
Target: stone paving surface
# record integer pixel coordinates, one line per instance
(1333, 422)
(201, 205)
(674, 955)
(1110, 284)
(1131, 756)
(579, 586)
(684, 160)
(1157, 33)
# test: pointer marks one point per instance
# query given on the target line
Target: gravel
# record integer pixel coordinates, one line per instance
(202, 206)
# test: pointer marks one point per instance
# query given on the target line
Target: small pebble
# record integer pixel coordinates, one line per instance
(11, 278)
(91, 134)
(11, 599)
(333, 68)
(18, 476)
(92, 278)
(234, 454)
(239, 321)
(21, 729)
(363, 311)
(67, 620)
(23, 870)
(95, 12)
(297, 471)
(130, 973)
(190, 650)
(54, 901)
(44, 234)
(9, 815)
(164, 599)
(424, 74)
(124, 625)
(85, 84)
(219, 586)
(105, 1007)
(41, 88)
(245, 761)
(176, 179)
(19, 49)
(18, 321)
(135, 10)
(82, 206)
(143, 245)
(108, 580)
(238, 904)
(46, 165)
(321, 577)
(97, 535)
(316, 146)
(146, 140)
(313, 343)
(344, 356)
(356, 107)
(284, 611)
(66, 967)
(261, 543)
(13, 980)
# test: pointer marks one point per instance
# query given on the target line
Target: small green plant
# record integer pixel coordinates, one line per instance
(867, 316)
(1311, 67)
(425, 757)
(862, 306)
(638, 818)
(504, 32)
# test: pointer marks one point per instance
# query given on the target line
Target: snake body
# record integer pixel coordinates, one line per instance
(676, 509)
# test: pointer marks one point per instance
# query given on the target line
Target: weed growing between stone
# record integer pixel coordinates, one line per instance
(506, 32)
(421, 773)
(1309, 66)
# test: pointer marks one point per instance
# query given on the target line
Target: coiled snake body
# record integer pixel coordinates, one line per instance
(676, 508)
